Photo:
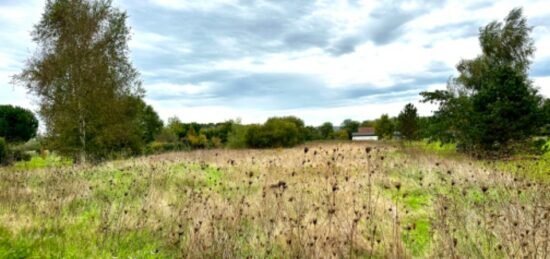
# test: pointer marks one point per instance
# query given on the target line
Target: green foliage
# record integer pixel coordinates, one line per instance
(196, 140)
(3, 151)
(166, 135)
(276, 132)
(367, 123)
(545, 129)
(40, 162)
(175, 126)
(148, 121)
(492, 104)
(237, 136)
(84, 82)
(197, 135)
(341, 135)
(17, 124)
(350, 126)
(156, 147)
(311, 133)
(326, 130)
(384, 127)
(407, 122)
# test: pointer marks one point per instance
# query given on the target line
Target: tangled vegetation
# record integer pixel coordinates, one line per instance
(337, 200)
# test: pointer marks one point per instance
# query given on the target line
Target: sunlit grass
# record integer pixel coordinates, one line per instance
(39, 162)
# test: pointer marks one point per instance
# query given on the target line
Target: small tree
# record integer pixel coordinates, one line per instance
(350, 126)
(341, 135)
(407, 122)
(384, 127)
(237, 136)
(326, 130)
(17, 124)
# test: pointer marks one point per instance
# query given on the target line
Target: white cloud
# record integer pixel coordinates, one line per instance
(178, 89)
(543, 83)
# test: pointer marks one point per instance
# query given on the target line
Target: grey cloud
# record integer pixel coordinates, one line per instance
(458, 30)
(387, 24)
(287, 91)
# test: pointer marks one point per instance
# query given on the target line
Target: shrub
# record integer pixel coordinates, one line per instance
(276, 132)
(237, 136)
(3, 152)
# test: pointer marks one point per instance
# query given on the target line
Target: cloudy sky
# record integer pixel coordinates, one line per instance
(324, 60)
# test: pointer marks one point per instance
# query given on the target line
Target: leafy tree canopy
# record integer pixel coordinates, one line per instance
(350, 126)
(384, 127)
(492, 102)
(17, 124)
(85, 84)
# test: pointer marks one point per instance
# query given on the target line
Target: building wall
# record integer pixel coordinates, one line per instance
(364, 138)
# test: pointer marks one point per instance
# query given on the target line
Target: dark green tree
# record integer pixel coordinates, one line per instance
(311, 133)
(545, 129)
(83, 78)
(492, 102)
(326, 130)
(148, 121)
(17, 124)
(350, 126)
(3, 152)
(384, 127)
(407, 122)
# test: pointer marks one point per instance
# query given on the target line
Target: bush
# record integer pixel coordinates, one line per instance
(160, 147)
(17, 155)
(3, 152)
(237, 136)
(276, 132)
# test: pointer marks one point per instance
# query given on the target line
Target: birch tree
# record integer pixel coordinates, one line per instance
(83, 79)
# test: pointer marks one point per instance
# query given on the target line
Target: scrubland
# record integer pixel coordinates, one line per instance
(324, 200)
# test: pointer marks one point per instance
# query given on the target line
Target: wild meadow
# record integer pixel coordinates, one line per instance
(325, 200)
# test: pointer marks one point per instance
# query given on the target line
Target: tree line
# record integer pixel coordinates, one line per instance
(90, 98)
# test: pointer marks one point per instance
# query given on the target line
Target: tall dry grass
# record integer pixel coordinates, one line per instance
(342, 200)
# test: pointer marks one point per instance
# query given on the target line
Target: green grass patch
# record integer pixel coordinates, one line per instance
(39, 162)
(417, 199)
(417, 235)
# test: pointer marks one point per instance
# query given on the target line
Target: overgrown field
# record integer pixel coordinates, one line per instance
(338, 200)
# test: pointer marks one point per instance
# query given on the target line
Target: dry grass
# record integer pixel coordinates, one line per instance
(323, 201)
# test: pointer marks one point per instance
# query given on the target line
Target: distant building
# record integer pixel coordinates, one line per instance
(363, 134)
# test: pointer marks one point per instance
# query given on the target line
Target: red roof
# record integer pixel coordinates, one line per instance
(369, 130)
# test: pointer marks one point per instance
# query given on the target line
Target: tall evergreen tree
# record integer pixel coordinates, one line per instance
(407, 122)
(85, 83)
